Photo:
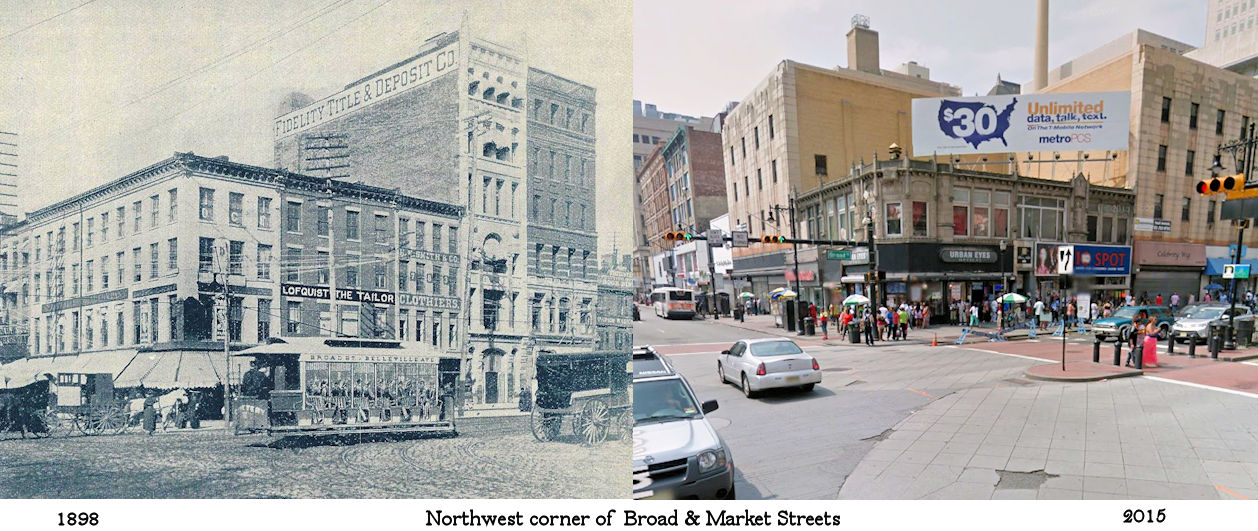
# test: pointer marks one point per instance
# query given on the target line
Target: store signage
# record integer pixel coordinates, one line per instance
(428, 301)
(1021, 122)
(1169, 253)
(396, 80)
(1236, 271)
(427, 256)
(370, 358)
(838, 254)
(1023, 256)
(805, 275)
(349, 295)
(1046, 255)
(1101, 260)
(967, 255)
(1152, 225)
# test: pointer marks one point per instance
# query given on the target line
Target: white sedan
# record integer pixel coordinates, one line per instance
(759, 364)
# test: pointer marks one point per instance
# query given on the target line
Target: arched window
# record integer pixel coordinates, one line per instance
(489, 93)
(490, 150)
(473, 88)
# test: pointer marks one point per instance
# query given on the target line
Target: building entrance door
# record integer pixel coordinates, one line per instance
(491, 387)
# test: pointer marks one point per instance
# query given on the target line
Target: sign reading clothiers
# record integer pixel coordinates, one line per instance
(413, 73)
(350, 295)
(1021, 122)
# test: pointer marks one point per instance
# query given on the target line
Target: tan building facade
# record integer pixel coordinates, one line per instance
(801, 127)
(1181, 109)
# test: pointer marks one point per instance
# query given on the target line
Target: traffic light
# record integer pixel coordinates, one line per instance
(678, 236)
(773, 239)
(882, 276)
(1223, 184)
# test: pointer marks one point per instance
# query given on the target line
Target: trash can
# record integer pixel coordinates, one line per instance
(738, 313)
(788, 317)
(854, 331)
(810, 327)
(1244, 332)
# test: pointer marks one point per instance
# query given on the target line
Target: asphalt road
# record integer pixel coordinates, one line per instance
(788, 444)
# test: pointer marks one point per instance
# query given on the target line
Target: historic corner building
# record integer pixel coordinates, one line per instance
(466, 122)
(938, 229)
(126, 278)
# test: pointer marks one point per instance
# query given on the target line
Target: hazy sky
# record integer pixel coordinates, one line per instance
(103, 88)
(693, 57)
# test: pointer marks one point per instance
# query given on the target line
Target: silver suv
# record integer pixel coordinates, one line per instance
(677, 455)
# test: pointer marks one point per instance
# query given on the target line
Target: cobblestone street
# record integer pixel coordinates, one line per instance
(214, 464)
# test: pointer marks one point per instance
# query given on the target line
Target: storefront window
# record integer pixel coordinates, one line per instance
(893, 219)
(919, 219)
(1042, 218)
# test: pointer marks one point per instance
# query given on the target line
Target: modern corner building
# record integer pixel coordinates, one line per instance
(804, 126)
(1181, 109)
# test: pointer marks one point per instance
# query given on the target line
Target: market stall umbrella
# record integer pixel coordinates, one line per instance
(746, 295)
(1013, 298)
(855, 299)
(784, 294)
(1213, 287)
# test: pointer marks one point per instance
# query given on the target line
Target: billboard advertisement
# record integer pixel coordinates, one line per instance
(1021, 122)
(1082, 260)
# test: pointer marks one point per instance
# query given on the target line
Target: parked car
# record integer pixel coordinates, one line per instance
(677, 454)
(1119, 324)
(759, 364)
(1195, 320)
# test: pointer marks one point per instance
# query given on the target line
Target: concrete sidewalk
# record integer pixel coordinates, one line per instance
(768, 324)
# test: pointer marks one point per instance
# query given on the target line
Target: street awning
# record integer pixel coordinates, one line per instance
(26, 371)
(170, 370)
(111, 361)
(1214, 266)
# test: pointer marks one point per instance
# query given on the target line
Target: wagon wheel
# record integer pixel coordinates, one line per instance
(55, 425)
(113, 420)
(98, 421)
(624, 423)
(545, 424)
(44, 424)
(594, 419)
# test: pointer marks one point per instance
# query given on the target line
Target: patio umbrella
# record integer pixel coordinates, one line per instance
(784, 294)
(746, 295)
(1013, 298)
(855, 299)
(1213, 286)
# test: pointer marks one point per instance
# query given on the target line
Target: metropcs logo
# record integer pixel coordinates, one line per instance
(974, 122)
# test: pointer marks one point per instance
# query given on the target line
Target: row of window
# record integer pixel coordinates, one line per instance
(773, 176)
(558, 262)
(105, 327)
(561, 116)
(1185, 210)
(755, 140)
(561, 167)
(115, 223)
(646, 139)
(571, 215)
(52, 281)
(1194, 111)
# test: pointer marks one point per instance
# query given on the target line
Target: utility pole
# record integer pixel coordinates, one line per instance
(799, 317)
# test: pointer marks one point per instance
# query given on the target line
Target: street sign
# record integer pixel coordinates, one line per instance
(1065, 259)
(1236, 271)
(739, 238)
(838, 254)
(715, 237)
(1153, 225)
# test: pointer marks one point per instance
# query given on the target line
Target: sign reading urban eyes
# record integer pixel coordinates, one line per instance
(1021, 122)
(413, 73)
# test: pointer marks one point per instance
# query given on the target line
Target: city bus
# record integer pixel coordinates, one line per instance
(673, 303)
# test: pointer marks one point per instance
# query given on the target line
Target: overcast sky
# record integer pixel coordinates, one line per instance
(98, 89)
(693, 57)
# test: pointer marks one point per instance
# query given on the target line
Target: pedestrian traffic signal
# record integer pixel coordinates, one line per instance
(773, 239)
(678, 236)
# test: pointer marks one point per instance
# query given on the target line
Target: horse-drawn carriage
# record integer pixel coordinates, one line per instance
(64, 404)
(591, 390)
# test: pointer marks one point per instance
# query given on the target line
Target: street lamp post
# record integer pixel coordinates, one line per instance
(1000, 303)
(1246, 145)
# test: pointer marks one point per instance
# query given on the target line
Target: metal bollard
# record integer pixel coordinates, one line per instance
(1216, 343)
(1096, 350)
(1170, 344)
(1192, 345)
(1138, 354)
(1118, 353)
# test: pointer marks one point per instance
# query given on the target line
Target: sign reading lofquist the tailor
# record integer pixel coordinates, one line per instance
(967, 255)
(397, 80)
(351, 295)
(1021, 122)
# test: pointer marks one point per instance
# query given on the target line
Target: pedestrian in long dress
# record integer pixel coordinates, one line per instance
(150, 417)
(1151, 332)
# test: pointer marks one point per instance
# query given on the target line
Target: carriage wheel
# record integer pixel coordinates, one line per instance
(57, 425)
(595, 419)
(46, 424)
(545, 424)
(113, 420)
(624, 424)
